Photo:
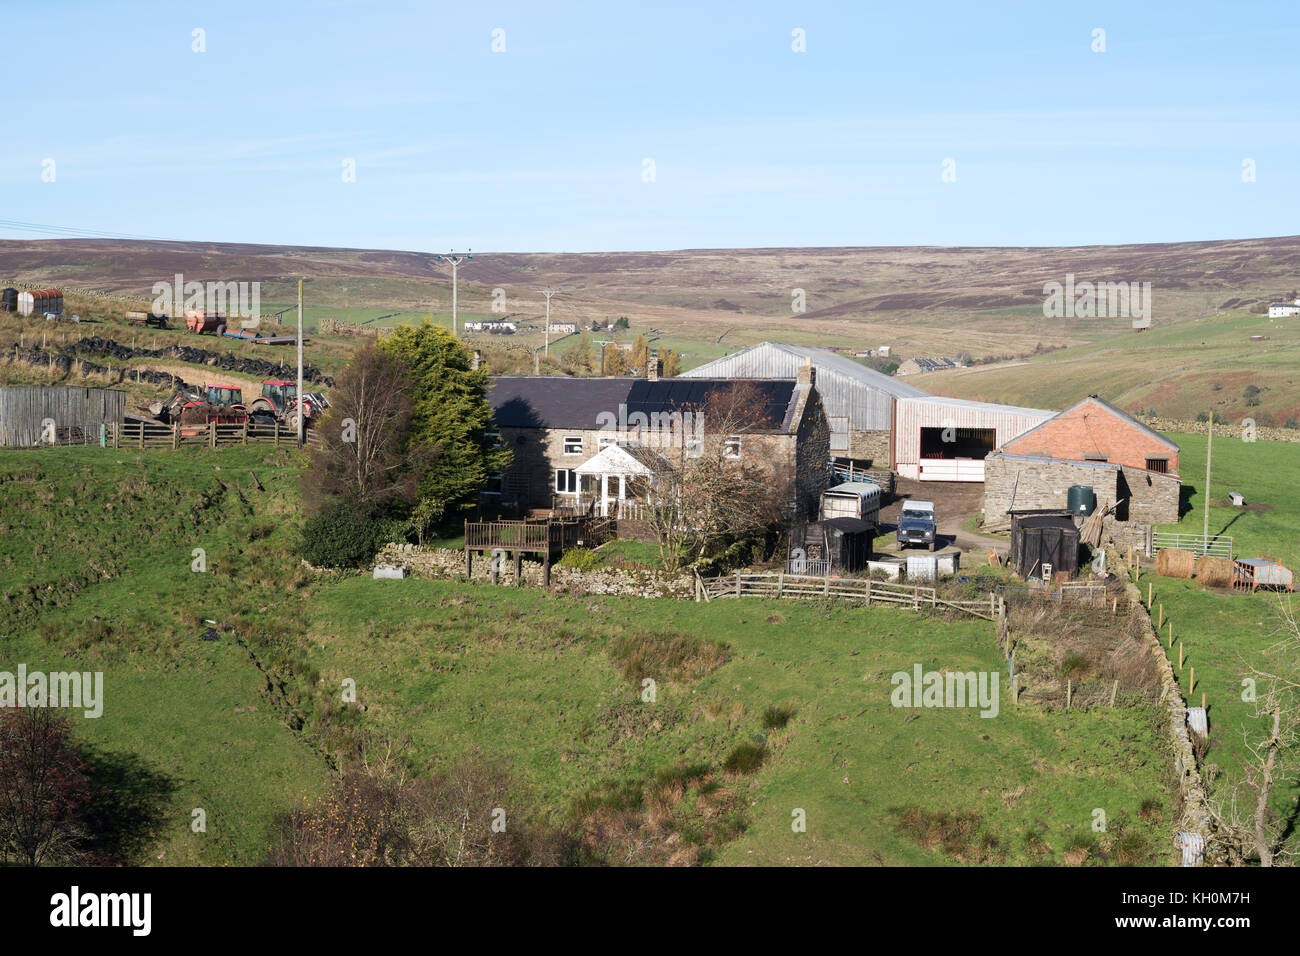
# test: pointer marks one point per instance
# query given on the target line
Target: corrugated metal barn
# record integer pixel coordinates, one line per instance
(857, 399)
(24, 408)
(947, 439)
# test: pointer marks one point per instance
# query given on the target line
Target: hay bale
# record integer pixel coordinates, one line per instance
(1215, 572)
(1175, 563)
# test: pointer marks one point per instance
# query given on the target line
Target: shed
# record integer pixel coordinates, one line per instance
(1041, 537)
(24, 409)
(947, 439)
(9, 300)
(835, 544)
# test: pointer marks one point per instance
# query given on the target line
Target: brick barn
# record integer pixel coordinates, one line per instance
(1095, 444)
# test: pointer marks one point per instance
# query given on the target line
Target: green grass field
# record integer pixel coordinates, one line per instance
(96, 572)
(1223, 633)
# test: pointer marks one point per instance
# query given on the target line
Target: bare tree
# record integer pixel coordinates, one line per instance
(713, 491)
(1273, 751)
(43, 788)
(363, 454)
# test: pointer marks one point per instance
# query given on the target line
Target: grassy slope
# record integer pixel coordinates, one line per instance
(1224, 634)
(103, 540)
(459, 668)
(97, 575)
(1172, 369)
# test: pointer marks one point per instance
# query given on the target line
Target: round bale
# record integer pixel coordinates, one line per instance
(1175, 563)
(1214, 572)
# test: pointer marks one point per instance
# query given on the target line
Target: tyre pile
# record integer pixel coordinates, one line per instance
(252, 367)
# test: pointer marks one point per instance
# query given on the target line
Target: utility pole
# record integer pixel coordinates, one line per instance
(548, 293)
(301, 405)
(455, 261)
(1209, 444)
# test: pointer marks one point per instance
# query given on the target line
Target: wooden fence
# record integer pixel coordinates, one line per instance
(212, 435)
(864, 590)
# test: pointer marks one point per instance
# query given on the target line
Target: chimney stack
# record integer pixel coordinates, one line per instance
(807, 374)
(652, 369)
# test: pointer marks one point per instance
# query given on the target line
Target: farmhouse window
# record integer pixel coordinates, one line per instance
(1158, 464)
(731, 448)
(604, 441)
(573, 444)
(566, 481)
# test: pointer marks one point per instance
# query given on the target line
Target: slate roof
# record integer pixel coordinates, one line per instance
(555, 401)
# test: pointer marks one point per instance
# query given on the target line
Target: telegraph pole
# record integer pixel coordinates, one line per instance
(455, 261)
(548, 293)
(301, 405)
(1209, 444)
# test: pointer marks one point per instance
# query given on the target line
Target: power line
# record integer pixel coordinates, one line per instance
(75, 232)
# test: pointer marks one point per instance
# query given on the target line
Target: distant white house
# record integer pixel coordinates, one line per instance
(494, 326)
(1281, 310)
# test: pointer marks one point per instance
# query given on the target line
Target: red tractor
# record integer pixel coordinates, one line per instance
(279, 402)
(223, 404)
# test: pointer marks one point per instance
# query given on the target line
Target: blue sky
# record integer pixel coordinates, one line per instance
(542, 147)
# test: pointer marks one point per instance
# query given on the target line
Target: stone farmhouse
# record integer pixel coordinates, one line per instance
(595, 443)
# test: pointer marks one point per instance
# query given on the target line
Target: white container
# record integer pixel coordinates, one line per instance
(389, 571)
(922, 567)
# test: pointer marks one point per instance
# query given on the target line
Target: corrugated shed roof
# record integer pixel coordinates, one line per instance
(554, 401)
(821, 358)
(986, 406)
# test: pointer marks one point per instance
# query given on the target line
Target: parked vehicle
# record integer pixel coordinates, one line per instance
(916, 525)
(147, 319)
(280, 399)
(852, 499)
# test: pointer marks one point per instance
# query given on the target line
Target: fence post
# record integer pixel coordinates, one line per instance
(737, 584)
(780, 582)
(141, 428)
(868, 592)
(212, 434)
(245, 430)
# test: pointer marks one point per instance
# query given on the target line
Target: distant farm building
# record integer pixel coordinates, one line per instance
(947, 439)
(30, 414)
(564, 328)
(40, 302)
(493, 327)
(1281, 310)
(859, 401)
(916, 366)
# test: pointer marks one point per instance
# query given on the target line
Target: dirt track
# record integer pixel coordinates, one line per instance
(954, 502)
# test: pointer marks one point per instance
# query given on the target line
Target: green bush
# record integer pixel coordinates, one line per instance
(342, 536)
(584, 559)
